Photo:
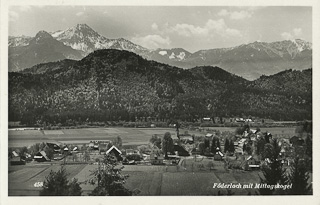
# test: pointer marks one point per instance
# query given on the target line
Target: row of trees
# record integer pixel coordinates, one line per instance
(108, 179)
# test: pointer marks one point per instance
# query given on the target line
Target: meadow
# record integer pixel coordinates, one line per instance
(147, 180)
(129, 136)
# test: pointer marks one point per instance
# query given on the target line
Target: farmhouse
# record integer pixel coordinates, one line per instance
(209, 135)
(252, 162)
(114, 151)
(41, 157)
(15, 154)
(54, 146)
(218, 155)
(16, 159)
(180, 150)
(129, 151)
(156, 159)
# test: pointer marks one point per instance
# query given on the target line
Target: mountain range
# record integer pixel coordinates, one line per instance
(111, 84)
(248, 60)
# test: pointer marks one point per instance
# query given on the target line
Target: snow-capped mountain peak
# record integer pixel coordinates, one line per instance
(84, 38)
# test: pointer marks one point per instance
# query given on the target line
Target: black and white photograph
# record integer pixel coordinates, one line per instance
(158, 100)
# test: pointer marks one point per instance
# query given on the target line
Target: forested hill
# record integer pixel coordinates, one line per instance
(120, 85)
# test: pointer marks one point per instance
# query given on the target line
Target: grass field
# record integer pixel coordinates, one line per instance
(22, 180)
(149, 180)
(129, 136)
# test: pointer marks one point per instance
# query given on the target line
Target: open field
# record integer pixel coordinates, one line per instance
(23, 177)
(185, 179)
(129, 136)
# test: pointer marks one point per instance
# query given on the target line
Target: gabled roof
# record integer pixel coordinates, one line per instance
(209, 135)
(219, 153)
(43, 154)
(15, 154)
(113, 147)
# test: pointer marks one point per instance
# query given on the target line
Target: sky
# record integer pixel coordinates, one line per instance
(190, 27)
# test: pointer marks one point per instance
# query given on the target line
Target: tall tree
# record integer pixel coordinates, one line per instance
(299, 177)
(226, 145)
(273, 172)
(215, 144)
(57, 184)
(156, 141)
(110, 181)
(167, 144)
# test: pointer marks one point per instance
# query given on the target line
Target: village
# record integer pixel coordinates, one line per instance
(176, 151)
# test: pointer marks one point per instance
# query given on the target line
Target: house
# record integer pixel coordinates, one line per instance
(209, 135)
(252, 162)
(156, 159)
(129, 151)
(91, 144)
(180, 150)
(17, 161)
(41, 157)
(187, 139)
(65, 149)
(56, 147)
(15, 154)
(218, 155)
(114, 151)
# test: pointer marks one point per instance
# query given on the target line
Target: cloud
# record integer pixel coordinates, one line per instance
(223, 12)
(296, 32)
(154, 26)
(80, 13)
(152, 41)
(236, 15)
(13, 16)
(211, 28)
(286, 35)
(188, 30)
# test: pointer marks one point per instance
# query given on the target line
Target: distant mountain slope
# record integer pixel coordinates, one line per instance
(19, 41)
(40, 49)
(252, 60)
(120, 85)
(287, 81)
(248, 60)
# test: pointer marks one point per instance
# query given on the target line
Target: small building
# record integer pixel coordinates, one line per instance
(129, 151)
(41, 157)
(91, 144)
(17, 160)
(218, 156)
(187, 139)
(15, 154)
(206, 119)
(180, 150)
(56, 147)
(209, 135)
(65, 149)
(114, 151)
(156, 159)
(252, 162)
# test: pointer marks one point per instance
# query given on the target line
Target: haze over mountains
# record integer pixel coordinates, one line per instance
(248, 60)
